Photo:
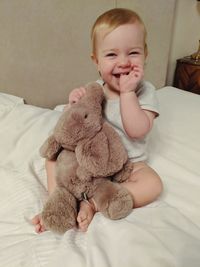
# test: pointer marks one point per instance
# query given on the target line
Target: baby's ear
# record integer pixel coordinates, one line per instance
(94, 59)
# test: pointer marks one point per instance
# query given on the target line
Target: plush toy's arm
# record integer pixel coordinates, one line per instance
(93, 155)
(50, 149)
(125, 173)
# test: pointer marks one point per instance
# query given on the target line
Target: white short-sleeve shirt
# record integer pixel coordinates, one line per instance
(147, 98)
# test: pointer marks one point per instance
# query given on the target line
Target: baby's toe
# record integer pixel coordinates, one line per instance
(35, 220)
(81, 219)
(38, 228)
(42, 229)
(83, 226)
(38, 223)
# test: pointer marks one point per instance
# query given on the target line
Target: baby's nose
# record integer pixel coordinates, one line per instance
(124, 61)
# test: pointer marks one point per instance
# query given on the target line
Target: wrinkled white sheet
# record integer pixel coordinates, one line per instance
(165, 233)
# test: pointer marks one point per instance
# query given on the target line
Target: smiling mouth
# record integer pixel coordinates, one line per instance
(117, 75)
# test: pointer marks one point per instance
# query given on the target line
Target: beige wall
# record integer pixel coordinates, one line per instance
(186, 33)
(45, 45)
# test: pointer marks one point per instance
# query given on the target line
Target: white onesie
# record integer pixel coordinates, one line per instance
(147, 98)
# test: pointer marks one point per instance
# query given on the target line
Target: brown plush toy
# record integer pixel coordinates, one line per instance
(88, 153)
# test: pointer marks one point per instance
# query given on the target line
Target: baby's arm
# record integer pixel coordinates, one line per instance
(137, 122)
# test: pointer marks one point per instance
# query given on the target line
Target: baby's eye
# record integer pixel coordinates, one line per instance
(110, 55)
(134, 53)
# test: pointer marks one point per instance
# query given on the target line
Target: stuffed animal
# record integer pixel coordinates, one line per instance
(90, 161)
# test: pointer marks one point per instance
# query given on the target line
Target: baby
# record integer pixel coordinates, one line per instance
(119, 53)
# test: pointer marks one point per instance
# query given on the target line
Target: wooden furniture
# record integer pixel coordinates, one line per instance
(187, 75)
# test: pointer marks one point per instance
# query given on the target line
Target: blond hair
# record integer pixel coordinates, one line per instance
(112, 19)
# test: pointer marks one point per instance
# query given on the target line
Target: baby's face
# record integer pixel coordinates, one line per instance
(119, 51)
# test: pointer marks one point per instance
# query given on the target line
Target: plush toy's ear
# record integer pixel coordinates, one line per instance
(94, 95)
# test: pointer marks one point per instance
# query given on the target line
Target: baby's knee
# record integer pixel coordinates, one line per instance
(158, 186)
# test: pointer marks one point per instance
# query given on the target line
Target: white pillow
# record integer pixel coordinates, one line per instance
(60, 108)
(8, 102)
(7, 99)
(23, 130)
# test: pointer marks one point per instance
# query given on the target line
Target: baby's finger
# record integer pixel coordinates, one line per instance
(136, 70)
(136, 67)
(80, 94)
(82, 91)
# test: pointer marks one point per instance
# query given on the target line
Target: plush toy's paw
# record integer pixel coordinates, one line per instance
(60, 211)
(113, 200)
(125, 173)
(50, 149)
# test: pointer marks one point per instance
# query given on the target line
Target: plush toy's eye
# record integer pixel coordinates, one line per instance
(86, 115)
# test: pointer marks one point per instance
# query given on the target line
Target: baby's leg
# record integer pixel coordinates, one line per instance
(144, 184)
(85, 215)
(51, 184)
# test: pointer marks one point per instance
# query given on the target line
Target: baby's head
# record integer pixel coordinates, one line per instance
(112, 19)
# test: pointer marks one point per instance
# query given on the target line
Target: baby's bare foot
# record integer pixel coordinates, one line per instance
(37, 221)
(85, 215)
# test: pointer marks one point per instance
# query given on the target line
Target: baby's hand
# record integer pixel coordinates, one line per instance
(129, 82)
(76, 95)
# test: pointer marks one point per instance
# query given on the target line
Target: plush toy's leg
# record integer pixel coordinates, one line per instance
(60, 211)
(113, 200)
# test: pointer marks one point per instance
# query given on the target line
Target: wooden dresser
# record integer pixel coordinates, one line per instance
(187, 75)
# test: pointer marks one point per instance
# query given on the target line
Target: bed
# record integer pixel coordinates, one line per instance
(165, 233)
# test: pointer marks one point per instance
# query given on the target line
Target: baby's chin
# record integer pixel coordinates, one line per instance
(113, 90)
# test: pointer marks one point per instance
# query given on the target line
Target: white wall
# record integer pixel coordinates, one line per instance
(186, 33)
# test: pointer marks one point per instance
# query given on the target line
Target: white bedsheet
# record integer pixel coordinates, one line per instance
(165, 233)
